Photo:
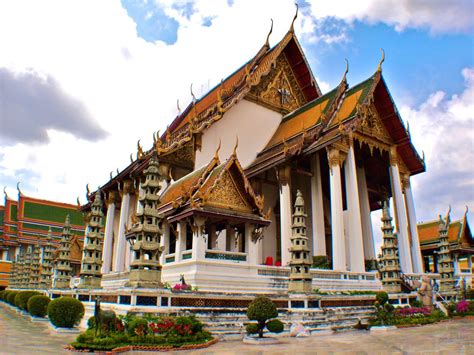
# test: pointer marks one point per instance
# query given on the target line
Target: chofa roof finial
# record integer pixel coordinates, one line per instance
(267, 42)
(379, 67)
(292, 28)
(192, 93)
(177, 106)
(18, 188)
(216, 154)
(344, 77)
(234, 153)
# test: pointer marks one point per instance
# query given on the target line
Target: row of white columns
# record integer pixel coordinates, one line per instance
(358, 231)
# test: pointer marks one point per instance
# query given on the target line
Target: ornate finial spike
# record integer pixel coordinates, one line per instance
(88, 191)
(78, 202)
(216, 154)
(267, 42)
(118, 172)
(344, 77)
(467, 210)
(131, 157)
(379, 67)
(18, 188)
(111, 174)
(448, 215)
(192, 94)
(292, 28)
(408, 127)
(236, 146)
(423, 155)
(177, 106)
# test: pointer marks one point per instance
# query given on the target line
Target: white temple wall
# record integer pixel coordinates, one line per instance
(245, 120)
(270, 192)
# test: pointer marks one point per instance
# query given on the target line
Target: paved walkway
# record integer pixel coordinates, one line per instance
(18, 335)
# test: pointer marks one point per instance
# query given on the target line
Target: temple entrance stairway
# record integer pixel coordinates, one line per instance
(230, 323)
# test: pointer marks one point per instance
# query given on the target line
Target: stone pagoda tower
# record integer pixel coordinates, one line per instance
(445, 262)
(13, 274)
(389, 263)
(300, 261)
(47, 265)
(35, 267)
(27, 269)
(20, 265)
(62, 266)
(145, 234)
(92, 253)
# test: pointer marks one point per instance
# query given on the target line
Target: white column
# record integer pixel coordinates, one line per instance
(252, 249)
(456, 264)
(181, 241)
(199, 241)
(108, 238)
(319, 236)
(285, 214)
(356, 243)
(165, 242)
(402, 222)
(337, 221)
(121, 245)
(367, 231)
(416, 257)
(213, 236)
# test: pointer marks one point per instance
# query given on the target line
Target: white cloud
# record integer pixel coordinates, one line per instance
(444, 128)
(436, 15)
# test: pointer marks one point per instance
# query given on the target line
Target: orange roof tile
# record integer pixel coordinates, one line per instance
(429, 232)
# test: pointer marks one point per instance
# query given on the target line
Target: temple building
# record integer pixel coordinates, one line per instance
(229, 168)
(25, 222)
(460, 246)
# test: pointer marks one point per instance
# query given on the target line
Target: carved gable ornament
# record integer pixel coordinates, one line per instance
(279, 90)
(226, 194)
(370, 124)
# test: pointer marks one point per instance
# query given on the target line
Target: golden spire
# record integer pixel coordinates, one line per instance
(267, 42)
(344, 77)
(216, 154)
(192, 94)
(379, 67)
(234, 153)
(292, 29)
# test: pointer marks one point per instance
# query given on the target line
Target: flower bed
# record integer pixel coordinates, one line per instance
(461, 309)
(150, 333)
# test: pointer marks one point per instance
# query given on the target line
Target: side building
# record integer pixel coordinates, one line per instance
(25, 222)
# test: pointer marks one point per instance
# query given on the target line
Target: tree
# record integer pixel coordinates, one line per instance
(261, 309)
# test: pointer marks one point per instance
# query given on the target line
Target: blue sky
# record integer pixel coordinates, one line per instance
(111, 72)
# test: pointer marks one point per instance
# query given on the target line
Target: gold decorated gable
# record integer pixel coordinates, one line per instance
(227, 194)
(279, 90)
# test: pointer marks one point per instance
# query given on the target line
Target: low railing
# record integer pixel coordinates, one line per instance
(185, 255)
(170, 258)
(278, 271)
(225, 255)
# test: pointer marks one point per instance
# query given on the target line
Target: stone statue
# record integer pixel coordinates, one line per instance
(97, 315)
(426, 292)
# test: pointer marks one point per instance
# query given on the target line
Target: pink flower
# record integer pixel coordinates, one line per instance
(462, 306)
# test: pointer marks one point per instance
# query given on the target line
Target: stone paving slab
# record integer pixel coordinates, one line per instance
(18, 335)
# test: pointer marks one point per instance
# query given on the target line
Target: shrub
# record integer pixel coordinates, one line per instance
(1, 294)
(381, 297)
(470, 293)
(38, 305)
(11, 297)
(261, 309)
(416, 303)
(4, 294)
(275, 326)
(321, 262)
(251, 328)
(21, 299)
(137, 326)
(65, 312)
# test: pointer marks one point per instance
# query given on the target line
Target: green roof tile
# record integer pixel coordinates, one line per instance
(50, 213)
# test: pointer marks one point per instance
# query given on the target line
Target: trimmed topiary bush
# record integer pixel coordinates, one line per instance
(21, 299)
(11, 297)
(3, 295)
(261, 309)
(275, 326)
(38, 305)
(251, 328)
(381, 297)
(65, 312)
